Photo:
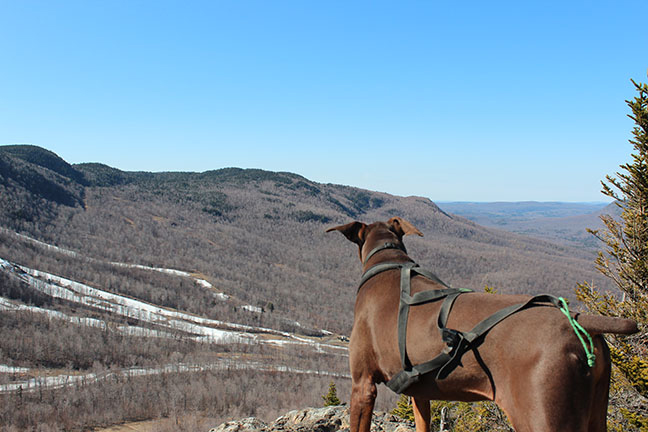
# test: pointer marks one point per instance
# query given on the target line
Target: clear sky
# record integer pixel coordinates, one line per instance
(452, 100)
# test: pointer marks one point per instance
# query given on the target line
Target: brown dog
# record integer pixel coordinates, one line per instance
(531, 363)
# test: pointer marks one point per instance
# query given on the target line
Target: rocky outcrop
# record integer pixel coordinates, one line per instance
(327, 419)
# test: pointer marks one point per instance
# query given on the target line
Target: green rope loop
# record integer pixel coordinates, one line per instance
(580, 331)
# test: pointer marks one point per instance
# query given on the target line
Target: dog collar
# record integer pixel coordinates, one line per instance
(387, 245)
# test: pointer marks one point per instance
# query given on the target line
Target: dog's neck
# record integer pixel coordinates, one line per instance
(381, 247)
(384, 250)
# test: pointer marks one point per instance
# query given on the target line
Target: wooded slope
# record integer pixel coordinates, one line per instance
(259, 236)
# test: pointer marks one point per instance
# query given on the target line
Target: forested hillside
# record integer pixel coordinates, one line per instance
(126, 280)
(259, 236)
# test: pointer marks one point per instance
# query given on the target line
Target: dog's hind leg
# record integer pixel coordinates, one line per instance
(555, 396)
(602, 372)
(363, 397)
(421, 408)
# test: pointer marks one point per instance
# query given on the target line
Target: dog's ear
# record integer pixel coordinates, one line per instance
(401, 227)
(354, 231)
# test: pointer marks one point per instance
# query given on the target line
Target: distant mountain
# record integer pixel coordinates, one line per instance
(559, 222)
(505, 212)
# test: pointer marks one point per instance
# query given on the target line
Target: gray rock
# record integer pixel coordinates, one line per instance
(250, 424)
(327, 419)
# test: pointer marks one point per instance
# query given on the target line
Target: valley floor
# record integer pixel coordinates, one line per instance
(75, 356)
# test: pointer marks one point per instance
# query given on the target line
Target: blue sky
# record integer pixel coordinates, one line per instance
(455, 101)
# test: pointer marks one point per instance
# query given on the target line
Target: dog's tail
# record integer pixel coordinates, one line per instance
(597, 324)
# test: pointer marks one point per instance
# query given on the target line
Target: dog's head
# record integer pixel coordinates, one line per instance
(367, 237)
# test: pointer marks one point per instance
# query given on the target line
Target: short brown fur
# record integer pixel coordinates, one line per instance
(531, 364)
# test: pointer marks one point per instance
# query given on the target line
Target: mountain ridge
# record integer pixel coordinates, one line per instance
(263, 204)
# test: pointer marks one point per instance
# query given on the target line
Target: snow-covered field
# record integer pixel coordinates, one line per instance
(197, 327)
(67, 252)
(165, 322)
(60, 381)
(58, 287)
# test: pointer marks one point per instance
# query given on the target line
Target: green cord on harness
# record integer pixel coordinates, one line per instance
(580, 331)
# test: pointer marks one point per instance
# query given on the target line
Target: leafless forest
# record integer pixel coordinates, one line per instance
(256, 239)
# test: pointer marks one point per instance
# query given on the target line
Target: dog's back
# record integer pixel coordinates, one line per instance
(530, 362)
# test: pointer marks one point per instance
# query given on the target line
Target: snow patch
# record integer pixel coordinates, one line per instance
(60, 381)
(12, 369)
(68, 252)
(251, 308)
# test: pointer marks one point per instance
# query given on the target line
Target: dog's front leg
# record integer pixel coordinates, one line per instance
(363, 397)
(421, 408)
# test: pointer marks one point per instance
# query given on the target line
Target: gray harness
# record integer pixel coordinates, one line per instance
(457, 342)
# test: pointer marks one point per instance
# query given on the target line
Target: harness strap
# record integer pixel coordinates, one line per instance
(444, 313)
(407, 271)
(431, 276)
(403, 313)
(460, 342)
(457, 342)
(379, 268)
(410, 373)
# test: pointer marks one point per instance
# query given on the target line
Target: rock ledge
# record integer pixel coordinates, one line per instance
(327, 419)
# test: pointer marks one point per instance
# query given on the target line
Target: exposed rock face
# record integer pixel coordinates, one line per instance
(327, 419)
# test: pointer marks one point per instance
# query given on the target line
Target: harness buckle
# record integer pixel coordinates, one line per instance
(403, 380)
(452, 338)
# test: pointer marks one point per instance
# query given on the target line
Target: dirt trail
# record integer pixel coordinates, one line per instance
(141, 426)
